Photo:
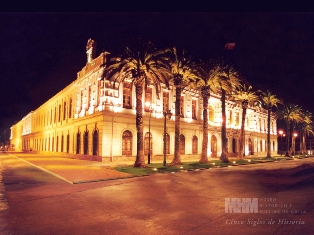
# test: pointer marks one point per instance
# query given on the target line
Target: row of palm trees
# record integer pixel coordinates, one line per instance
(146, 65)
(296, 120)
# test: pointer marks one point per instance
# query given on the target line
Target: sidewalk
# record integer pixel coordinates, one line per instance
(73, 171)
(76, 171)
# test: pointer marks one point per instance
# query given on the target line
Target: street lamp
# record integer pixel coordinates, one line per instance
(150, 108)
(166, 114)
(281, 133)
(295, 136)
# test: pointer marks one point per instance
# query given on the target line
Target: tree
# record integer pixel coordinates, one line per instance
(291, 114)
(246, 97)
(228, 81)
(182, 70)
(143, 64)
(269, 101)
(306, 129)
(206, 82)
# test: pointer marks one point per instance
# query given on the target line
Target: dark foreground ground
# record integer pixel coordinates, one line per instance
(35, 202)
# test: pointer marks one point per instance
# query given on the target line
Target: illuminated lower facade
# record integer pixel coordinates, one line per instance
(95, 119)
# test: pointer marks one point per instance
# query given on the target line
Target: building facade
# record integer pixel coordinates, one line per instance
(94, 119)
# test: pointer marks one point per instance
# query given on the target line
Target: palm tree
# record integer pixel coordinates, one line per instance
(291, 114)
(206, 82)
(246, 97)
(182, 70)
(143, 65)
(269, 101)
(306, 129)
(228, 81)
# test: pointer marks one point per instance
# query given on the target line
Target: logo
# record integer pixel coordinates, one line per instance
(241, 205)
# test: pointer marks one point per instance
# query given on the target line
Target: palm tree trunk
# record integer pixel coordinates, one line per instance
(268, 134)
(288, 140)
(242, 135)
(304, 143)
(177, 159)
(139, 161)
(224, 140)
(204, 158)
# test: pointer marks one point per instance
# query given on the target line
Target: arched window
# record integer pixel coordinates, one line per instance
(167, 143)
(147, 142)
(234, 145)
(194, 145)
(182, 144)
(57, 143)
(78, 142)
(127, 143)
(62, 140)
(86, 142)
(251, 149)
(95, 143)
(68, 143)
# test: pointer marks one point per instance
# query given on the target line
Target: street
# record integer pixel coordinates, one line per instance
(193, 202)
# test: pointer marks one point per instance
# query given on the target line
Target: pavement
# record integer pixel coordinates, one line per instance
(71, 170)
(76, 171)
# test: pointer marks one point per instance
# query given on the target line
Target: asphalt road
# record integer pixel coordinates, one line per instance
(191, 202)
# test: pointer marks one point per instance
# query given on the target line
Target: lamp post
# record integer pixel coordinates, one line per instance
(295, 136)
(281, 133)
(166, 114)
(151, 108)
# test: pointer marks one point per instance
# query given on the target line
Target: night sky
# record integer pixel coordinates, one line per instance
(41, 53)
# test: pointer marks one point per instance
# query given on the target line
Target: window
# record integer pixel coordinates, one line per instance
(194, 145)
(127, 95)
(64, 109)
(55, 115)
(68, 143)
(78, 142)
(148, 97)
(57, 142)
(70, 108)
(194, 109)
(211, 114)
(181, 106)
(52, 144)
(86, 142)
(127, 143)
(251, 149)
(213, 146)
(147, 142)
(95, 143)
(59, 115)
(165, 102)
(182, 144)
(234, 145)
(237, 118)
(230, 120)
(62, 139)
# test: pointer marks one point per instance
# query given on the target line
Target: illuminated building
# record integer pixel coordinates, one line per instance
(95, 119)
